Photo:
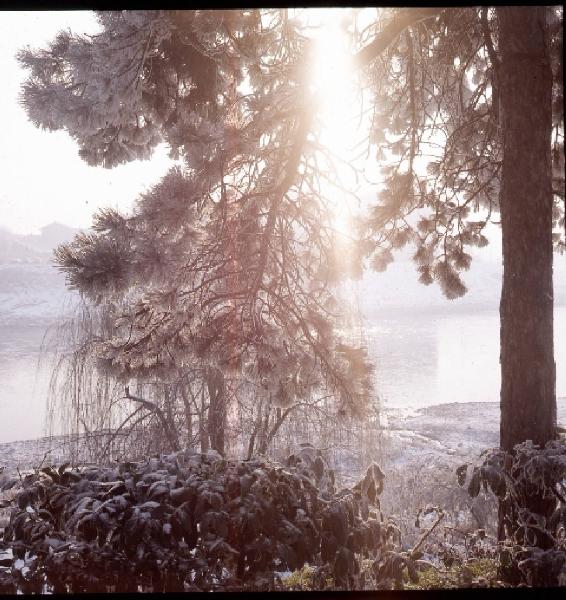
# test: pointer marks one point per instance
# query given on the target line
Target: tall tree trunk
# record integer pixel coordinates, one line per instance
(528, 401)
(216, 409)
(264, 432)
(528, 373)
(255, 431)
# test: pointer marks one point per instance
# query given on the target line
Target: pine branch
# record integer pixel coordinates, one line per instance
(282, 189)
(402, 20)
(363, 58)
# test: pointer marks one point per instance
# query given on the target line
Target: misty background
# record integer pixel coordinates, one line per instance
(427, 350)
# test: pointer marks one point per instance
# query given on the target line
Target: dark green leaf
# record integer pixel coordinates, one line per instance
(474, 485)
(461, 472)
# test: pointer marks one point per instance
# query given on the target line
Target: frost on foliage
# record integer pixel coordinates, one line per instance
(168, 278)
(94, 89)
(533, 548)
(120, 92)
(438, 140)
(197, 520)
(218, 264)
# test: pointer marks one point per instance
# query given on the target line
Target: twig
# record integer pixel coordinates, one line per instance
(43, 460)
(168, 430)
(389, 33)
(426, 534)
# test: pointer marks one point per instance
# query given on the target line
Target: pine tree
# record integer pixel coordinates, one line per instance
(444, 83)
(225, 263)
(479, 92)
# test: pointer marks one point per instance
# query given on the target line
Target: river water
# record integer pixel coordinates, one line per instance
(421, 359)
(428, 359)
(23, 382)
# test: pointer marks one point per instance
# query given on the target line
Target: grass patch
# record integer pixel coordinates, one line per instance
(299, 580)
(481, 572)
(302, 580)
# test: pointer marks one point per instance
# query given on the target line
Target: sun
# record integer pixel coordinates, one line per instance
(339, 105)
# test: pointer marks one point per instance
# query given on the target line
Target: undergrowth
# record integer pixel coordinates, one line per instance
(189, 522)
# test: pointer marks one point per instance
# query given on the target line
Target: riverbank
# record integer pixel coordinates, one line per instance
(448, 434)
(453, 432)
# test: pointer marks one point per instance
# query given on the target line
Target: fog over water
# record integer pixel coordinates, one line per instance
(432, 358)
(426, 350)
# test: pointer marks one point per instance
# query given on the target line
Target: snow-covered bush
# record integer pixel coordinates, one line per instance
(189, 521)
(530, 484)
(429, 481)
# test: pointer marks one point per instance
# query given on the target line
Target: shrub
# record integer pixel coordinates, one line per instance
(189, 521)
(530, 484)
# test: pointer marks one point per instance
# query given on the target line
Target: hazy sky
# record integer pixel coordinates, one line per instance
(42, 177)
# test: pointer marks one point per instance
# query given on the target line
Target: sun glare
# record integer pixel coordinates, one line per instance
(339, 105)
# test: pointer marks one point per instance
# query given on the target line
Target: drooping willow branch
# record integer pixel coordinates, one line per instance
(167, 428)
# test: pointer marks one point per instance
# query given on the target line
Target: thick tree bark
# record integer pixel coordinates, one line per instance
(264, 432)
(255, 431)
(528, 401)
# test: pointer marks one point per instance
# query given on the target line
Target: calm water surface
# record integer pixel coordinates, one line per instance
(421, 360)
(429, 359)
(23, 383)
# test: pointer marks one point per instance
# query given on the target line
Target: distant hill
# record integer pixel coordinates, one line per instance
(16, 248)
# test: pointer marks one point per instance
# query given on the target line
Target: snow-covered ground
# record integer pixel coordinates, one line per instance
(32, 294)
(28, 454)
(421, 450)
(451, 433)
